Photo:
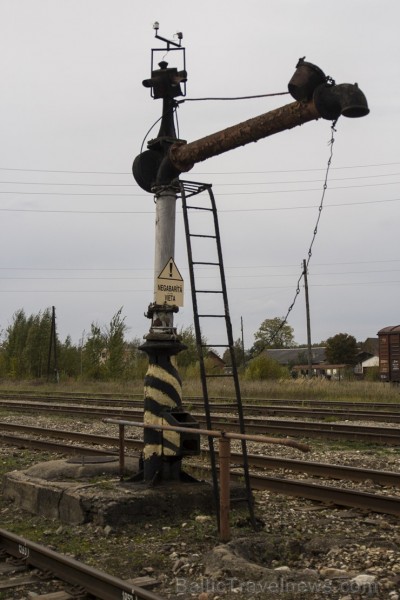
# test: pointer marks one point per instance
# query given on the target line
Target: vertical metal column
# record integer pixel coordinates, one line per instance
(162, 385)
(165, 198)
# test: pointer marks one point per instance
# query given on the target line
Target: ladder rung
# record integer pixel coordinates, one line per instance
(213, 264)
(209, 292)
(218, 316)
(200, 208)
(200, 235)
(214, 345)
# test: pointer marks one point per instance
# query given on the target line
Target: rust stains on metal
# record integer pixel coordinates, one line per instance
(184, 156)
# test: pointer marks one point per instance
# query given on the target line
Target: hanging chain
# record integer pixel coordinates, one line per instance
(325, 187)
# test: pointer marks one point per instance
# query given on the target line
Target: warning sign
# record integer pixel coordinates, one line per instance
(169, 285)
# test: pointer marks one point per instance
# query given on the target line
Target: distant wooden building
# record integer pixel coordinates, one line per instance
(329, 371)
(296, 359)
(292, 356)
(216, 360)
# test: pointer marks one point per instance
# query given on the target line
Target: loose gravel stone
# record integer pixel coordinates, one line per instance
(304, 549)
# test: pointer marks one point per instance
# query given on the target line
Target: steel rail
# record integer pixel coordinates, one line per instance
(368, 434)
(100, 585)
(262, 461)
(387, 478)
(375, 502)
(322, 413)
(224, 403)
(348, 411)
(93, 438)
(111, 411)
(333, 495)
(322, 493)
(69, 409)
(63, 394)
(313, 413)
(326, 470)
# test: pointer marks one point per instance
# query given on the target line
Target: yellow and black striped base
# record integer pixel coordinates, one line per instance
(162, 394)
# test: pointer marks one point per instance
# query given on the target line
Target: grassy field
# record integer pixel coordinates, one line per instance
(302, 389)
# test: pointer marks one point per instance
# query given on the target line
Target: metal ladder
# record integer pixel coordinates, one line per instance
(189, 189)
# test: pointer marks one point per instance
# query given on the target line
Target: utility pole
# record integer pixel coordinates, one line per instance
(157, 170)
(309, 351)
(53, 347)
(241, 329)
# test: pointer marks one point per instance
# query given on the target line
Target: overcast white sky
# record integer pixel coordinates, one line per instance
(77, 232)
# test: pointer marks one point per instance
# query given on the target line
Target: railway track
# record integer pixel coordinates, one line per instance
(294, 428)
(260, 461)
(260, 481)
(251, 406)
(86, 580)
(322, 493)
(110, 398)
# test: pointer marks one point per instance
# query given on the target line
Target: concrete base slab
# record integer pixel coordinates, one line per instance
(82, 493)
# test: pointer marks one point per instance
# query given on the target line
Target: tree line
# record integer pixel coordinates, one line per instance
(104, 353)
(275, 333)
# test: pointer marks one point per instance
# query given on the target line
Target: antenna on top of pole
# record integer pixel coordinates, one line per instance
(179, 36)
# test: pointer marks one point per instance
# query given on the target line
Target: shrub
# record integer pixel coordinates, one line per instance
(264, 367)
(372, 374)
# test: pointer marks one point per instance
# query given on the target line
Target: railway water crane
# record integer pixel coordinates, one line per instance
(157, 171)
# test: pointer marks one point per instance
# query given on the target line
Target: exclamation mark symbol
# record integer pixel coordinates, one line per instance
(170, 269)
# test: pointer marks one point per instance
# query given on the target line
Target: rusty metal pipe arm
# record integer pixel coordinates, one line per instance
(183, 157)
(316, 96)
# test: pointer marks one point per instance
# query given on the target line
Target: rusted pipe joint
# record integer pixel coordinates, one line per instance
(180, 165)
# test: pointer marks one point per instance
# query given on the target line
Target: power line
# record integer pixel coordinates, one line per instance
(132, 185)
(303, 180)
(247, 288)
(310, 206)
(67, 171)
(79, 212)
(74, 291)
(72, 269)
(76, 184)
(234, 97)
(357, 262)
(365, 166)
(241, 276)
(118, 194)
(228, 210)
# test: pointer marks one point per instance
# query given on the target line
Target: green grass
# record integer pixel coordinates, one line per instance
(300, 389)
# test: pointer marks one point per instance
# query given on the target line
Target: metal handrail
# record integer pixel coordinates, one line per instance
(224, 438)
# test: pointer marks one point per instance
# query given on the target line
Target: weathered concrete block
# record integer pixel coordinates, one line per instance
(59, 490)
